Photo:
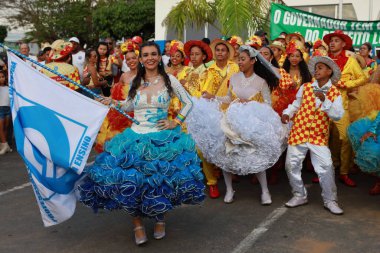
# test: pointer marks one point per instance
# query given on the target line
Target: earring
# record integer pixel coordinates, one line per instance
(142, 65)
(160, 63)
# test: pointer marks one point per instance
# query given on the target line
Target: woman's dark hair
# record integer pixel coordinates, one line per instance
(273, 61)
(102, 43)
(304, 70)
(136, 82)
(88, 52)
(183, 57)
(5, 73)
(264, 73)
(369, 46)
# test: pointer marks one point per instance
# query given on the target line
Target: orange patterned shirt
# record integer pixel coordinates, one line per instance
(310, 123)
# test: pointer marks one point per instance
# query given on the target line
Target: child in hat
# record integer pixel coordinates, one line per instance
(315, 105)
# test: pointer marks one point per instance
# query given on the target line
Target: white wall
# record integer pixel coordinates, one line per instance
(362, 7)
(163, 8)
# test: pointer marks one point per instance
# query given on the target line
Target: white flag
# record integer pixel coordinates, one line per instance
(55, 129)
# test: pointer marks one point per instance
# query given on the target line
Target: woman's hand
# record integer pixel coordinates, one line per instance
(165, 124)
(105, 100)
(207, 95)
(368, 135)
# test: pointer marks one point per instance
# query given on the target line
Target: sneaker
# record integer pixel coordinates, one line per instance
(266, 199)
(296, 201)
(229, 198)
(4, 148)
(333, 207)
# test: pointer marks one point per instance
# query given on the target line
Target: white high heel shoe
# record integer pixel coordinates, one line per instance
(229, 198)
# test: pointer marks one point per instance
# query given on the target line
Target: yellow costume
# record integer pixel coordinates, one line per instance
(217, 79)
(352, 76)
(65, 69)
(175, 104)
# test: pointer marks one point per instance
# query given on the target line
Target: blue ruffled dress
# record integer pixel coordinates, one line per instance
(367, 154)
(145, 171)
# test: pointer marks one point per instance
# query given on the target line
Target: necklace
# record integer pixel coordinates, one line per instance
(147, 84)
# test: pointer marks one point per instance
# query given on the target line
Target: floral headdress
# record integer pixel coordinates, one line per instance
(254, 41)
(60, 49)
(319, 43)
(129, 46)
(176, 45)
(293, 46)
(236, 40)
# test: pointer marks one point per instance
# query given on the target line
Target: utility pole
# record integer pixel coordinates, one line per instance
(340, 9)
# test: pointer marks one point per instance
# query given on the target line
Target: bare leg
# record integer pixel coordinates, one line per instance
(229, 189)
(265, 195)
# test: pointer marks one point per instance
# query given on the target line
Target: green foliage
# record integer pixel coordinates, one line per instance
(125, 19)
(192, 12)
(88, 20)
(234, 16)
(3, 33)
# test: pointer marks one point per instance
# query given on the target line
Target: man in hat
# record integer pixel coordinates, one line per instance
(78, 55)
(263, 36)
(315, 105)
(218, 75)
(59, 57)
(352, 76)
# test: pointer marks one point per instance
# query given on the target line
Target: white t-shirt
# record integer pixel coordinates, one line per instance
(78, 61)
(4, 96)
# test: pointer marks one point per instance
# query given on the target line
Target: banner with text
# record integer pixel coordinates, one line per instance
(312, 26)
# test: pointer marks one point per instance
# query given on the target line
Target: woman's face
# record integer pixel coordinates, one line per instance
(236, 46)
(196, 56)
(364, 51)
(245, 62)
(150, 57)
(295, 58)
(93, 57)
(2, 79)
(102, 50)
(132, 60)
(276, 52)
(264, 51)
(176, 58)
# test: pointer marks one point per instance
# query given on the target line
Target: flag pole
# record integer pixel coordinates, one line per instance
(67, 79)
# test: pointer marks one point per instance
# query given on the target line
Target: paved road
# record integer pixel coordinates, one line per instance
(243, 226)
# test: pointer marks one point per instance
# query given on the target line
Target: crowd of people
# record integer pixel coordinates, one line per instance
(227, 107)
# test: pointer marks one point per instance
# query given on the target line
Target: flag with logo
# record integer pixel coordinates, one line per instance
(55, 129)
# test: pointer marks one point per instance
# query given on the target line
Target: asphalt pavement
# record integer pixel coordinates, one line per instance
(243, 226)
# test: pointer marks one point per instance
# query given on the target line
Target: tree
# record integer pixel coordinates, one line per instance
(190, 12)
(125, 19)
(234, 16)
(3, 33)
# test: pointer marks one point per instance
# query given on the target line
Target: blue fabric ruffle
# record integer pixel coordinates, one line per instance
(367, 154)
(145, 174)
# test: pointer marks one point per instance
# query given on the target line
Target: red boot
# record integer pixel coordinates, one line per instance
(315, 180)
(213, 191)
(347, 181)
(375, 190)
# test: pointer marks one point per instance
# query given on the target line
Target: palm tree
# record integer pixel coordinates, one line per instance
(234, 16)
(189, 12)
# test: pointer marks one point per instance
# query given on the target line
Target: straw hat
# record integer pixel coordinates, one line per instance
(60, 49)
(297, 34)
(216, 42)
(327, 61)
(278, 44)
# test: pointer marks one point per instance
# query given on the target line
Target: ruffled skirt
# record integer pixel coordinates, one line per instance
(367, 154)
(365, 100)
(247, 138)
(144, 174)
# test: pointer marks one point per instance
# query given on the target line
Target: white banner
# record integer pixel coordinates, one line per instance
(55, 129)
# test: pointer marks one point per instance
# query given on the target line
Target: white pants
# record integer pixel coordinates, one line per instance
(323, 166)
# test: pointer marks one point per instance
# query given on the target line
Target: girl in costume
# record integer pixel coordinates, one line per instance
(279, 52)
(116, 123)
(192, 79)
(371, 64)
(175, 66)
(364, 135)
(104, 66)
(91, 77)
(249, 137)
(153, 166)
(236, 42)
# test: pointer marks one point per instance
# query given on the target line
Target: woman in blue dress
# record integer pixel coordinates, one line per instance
(364, 134)
(152, 167)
